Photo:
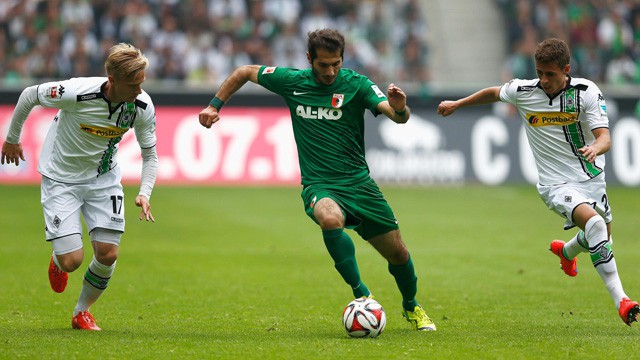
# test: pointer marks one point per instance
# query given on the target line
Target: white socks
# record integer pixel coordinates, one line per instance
(595, 231)
(576, 245)
(95, 282)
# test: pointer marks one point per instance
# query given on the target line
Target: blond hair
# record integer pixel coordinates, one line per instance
(125, 60)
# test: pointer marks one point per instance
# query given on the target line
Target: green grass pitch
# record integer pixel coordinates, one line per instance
(237, 273)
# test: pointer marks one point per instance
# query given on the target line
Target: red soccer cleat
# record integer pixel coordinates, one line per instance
(570, 267)
(84, 321)
(57, 278)
(628, 310)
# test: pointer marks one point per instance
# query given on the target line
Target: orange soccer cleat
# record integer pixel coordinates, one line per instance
(57, 278)
(84, 321)
(628, 310)
(570, 267)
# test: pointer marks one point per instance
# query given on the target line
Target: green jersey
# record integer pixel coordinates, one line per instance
(328, 121)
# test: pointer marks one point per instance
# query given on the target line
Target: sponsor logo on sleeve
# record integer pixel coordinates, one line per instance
(88, 97)
(603, 109)
(602, 104)
(525, 88)
(52, 92)
(377, 90)
(268, 70)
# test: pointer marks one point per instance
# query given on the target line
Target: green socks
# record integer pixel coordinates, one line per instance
(343, 253)
(407, 281)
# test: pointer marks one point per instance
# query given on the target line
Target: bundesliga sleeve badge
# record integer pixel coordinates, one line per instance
(54, 92)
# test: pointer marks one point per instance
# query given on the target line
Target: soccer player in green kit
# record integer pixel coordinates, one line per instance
(327, 105)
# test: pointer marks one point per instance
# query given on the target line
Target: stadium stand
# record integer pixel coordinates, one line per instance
(604, 36)
(420, 45)
(197, 43)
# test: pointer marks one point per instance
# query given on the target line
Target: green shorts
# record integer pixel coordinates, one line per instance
(366, 211)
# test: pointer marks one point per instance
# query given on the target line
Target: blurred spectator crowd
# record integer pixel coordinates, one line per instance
(199, 42)
(603, 35)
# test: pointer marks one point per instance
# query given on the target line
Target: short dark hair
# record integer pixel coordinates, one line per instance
(327, 39)
(553, 51)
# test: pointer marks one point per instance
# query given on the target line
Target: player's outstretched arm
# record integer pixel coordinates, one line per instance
(209, 115)
(485, 96)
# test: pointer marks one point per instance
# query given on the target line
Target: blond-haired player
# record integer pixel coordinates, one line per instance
(79, 167)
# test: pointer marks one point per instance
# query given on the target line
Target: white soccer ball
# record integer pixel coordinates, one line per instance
(364, 317)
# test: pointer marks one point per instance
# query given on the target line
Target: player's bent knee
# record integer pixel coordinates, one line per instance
(329, 223)
(70, 262)
(68, 251)
(106, 243)
(398, 257)
(596, 227)
(106, 254)
(328, 214)
(329, 218)
(391, 247)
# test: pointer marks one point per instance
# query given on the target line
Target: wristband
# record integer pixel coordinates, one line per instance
(216, 103)
(401, 113)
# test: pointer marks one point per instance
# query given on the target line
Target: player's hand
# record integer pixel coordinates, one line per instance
(12, 153)
(447, 107)
(143, 202)
(396, 97)
(589, 153)
(208, 116)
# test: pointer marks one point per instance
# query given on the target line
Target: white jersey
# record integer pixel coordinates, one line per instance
(82, 142)
(557, 127)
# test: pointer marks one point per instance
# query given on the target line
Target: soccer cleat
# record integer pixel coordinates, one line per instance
(57, 278)
(570, 267)
(419, 319)
(628, 310)
(84, 321)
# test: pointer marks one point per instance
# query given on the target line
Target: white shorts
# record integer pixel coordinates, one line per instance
(564, 198)
(101, 203)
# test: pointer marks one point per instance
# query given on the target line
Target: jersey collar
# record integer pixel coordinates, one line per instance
(567, 86)
(112, 108)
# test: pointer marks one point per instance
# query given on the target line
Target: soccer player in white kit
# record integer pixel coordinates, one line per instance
(80, 171)
(567, 127)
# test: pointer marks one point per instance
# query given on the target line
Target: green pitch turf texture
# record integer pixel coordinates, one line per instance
(238, 273)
